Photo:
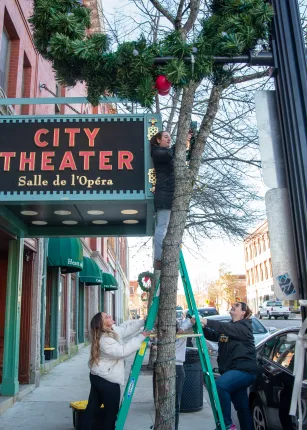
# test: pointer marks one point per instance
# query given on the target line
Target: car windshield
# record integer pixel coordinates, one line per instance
(207, 312)
(274, 304)
(258, 328)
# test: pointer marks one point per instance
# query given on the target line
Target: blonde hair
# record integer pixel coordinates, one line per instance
(98, 329)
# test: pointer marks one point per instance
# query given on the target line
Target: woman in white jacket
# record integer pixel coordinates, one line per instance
(106, 364)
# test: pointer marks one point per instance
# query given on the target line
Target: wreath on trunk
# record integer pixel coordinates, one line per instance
(144, 297)
(145, 281)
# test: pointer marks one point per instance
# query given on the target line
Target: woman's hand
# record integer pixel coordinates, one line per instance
(203, 322)
(146, 333)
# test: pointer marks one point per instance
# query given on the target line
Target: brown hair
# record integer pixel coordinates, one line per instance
(246, 309)
(154, 139)
(97, 330)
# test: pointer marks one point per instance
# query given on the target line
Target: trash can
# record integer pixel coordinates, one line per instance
(192, 393)
(78, 409)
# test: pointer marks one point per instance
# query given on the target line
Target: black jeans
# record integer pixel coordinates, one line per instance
(180, 377)
(102, 392)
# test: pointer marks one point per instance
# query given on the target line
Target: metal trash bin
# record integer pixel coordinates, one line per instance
(192, 393)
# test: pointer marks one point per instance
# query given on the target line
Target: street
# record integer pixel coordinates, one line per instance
(282, 323)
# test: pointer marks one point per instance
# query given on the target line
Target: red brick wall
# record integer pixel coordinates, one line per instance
(14, 15)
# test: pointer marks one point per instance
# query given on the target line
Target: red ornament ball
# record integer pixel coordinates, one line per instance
(163, 84)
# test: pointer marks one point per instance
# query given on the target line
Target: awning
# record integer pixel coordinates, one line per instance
(66, 253)
(109, 282)
(90, 274)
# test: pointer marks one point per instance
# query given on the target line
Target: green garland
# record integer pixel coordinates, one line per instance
(60, 35)
(140, 280)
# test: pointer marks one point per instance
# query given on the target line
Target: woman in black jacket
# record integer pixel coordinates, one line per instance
(237, 362)
(163, 159)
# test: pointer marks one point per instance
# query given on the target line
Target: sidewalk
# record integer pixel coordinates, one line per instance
(47, 408)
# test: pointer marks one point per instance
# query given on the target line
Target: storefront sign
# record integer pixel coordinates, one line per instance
(76, 156)
(77, 175)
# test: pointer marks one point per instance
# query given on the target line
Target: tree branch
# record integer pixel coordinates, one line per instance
(251, 77)
(179, 15)
(205, 129)
(164, 12)
(173, 110)
(194, 8)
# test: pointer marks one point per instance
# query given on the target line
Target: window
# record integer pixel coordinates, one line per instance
(4, 59)
(266, 274)
(284, 352)
(268, 347)
(252, 277)
(258, 328)
(274, 303)
(264, 245)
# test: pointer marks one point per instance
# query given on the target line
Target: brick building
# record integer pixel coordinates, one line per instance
(54, 300)
(258, 265)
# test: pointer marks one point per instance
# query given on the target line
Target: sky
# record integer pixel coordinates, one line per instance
(202, 262)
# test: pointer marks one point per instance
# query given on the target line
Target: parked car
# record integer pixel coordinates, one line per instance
(270, 395)
(274, 308)
(259, 331)
(204, 312)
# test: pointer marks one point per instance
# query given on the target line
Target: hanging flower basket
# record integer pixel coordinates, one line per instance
(145, 281)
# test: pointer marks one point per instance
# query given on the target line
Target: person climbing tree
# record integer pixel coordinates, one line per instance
(163, 158)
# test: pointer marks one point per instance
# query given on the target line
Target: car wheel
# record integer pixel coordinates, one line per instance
(258, 416)
(286, 317)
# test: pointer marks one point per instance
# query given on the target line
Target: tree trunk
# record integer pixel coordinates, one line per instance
(184, 181)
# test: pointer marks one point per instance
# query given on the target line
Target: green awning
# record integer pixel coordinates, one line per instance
(90, 274)
(65, 252)
(109, 282)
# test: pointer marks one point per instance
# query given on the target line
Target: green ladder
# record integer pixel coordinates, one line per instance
(202, 349)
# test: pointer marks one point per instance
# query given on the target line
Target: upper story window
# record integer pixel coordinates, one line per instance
(4, 59)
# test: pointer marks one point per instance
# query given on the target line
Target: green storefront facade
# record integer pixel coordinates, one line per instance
(86, 177)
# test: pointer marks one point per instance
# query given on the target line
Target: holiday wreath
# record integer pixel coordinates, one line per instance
(145, 281)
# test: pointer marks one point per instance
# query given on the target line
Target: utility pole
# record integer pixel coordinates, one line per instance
(291, 90)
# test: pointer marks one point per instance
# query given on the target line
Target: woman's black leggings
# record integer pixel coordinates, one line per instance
(102, 392)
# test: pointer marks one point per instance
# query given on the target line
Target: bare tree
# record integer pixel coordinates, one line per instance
(214, 194)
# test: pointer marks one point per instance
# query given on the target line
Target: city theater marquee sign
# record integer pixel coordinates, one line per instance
(79, 166)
